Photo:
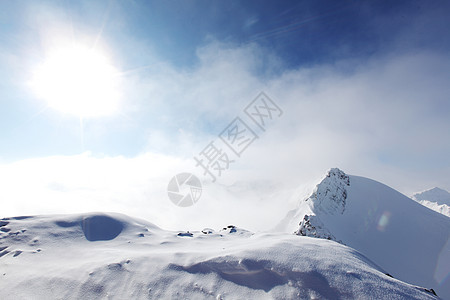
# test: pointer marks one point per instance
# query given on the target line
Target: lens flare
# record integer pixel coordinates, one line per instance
(383, 222)
(77, 80)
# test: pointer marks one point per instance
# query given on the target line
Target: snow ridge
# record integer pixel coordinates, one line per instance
(330, 197)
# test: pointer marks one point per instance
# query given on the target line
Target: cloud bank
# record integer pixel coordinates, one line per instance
(384, 117)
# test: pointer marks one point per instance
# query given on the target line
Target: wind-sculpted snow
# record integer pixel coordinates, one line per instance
(54, 257)
(409, 241)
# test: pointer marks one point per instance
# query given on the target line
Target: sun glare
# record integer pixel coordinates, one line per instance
(79, 81)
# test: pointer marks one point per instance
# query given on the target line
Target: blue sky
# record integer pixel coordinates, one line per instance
(296, 34)
(364, 85)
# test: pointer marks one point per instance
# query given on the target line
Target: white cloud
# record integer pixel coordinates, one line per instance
(384, 118)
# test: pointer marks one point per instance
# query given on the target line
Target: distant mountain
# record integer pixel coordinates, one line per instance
(436, 199)
(409, 241)
(436, 194)
(103, 256)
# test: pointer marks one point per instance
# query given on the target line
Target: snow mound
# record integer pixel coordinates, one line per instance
(48, 257)
(408, 240)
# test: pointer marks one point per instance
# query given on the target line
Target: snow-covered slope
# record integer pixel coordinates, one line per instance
(99, 256)
(436, 199)
(409, 241)
(440, 208)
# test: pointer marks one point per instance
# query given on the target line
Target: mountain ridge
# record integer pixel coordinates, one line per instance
(436, 199)
(407, 239)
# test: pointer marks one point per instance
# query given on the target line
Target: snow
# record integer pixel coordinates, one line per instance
(106, 255)
(442, 209)
(407, 240)
(436, 194)
(436, 199)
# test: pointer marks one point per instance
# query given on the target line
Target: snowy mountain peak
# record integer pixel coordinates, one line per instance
(436, 199)
(436, 194)
(331, 193)
(406, 239)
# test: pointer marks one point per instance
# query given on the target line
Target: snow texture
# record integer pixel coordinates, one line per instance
(99, 256)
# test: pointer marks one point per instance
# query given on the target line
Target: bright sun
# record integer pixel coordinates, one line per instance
(77, 80)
